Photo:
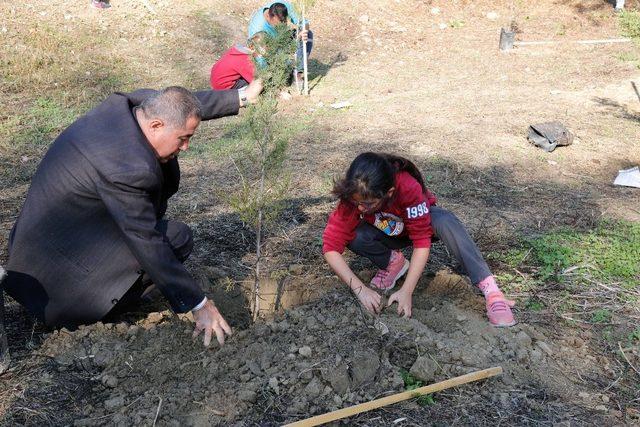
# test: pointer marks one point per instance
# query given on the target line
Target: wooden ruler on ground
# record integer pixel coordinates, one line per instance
(399, 397)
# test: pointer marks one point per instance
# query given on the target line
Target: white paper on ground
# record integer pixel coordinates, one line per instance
(341, 104)
(628, 177)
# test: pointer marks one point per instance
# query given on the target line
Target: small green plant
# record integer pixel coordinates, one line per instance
(601, 316)
(634, 336)
(412, 383)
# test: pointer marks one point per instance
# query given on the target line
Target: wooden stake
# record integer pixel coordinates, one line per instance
(304, 56)
(378, 403)
(4, 346)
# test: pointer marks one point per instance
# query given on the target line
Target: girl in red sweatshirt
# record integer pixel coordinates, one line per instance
(385, 206)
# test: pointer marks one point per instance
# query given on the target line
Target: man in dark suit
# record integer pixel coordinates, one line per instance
(92, 223)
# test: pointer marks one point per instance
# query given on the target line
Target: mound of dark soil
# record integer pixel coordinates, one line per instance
(320, 357)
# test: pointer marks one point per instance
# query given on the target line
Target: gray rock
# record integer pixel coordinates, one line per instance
(545, 347)
(312, 322)
(536, 355)
(283, 326)
(261, 330)
(522, 355)
(299, 407)
(338, 377)
(65, 359)
(313, 389)
(266, 359)
(306, 375)
(364, 367)
(532, 332)
(109, 381)
(254, 367)
(273, 384)
(396, 381)
(305, 351)
(424, 368)
(103, 358)
(114, 403)
(468, 359)
(523, 339)
(247, 395)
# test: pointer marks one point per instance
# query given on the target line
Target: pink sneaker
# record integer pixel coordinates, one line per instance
(386, 279)
(100, 4)
(499, 310)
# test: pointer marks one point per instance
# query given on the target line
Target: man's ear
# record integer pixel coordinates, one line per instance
(156, 124)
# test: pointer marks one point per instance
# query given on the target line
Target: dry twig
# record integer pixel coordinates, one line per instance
(627, 360)
(157, 412)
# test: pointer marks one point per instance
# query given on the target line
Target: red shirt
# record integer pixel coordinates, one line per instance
(232, 66)
(406, 214)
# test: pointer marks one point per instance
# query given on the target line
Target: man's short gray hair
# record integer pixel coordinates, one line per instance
(173, 105)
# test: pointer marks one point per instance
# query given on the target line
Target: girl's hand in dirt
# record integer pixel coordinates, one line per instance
(369, 298)
(209, 320)
(403, 298)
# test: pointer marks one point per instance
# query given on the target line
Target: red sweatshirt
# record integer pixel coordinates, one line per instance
(406, 214)
(232, 66)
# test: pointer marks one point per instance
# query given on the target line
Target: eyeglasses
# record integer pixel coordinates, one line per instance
(367, 205)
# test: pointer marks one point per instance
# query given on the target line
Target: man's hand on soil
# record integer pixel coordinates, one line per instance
(209, 320)
(403, 299)
(253, 91)
(370, 299)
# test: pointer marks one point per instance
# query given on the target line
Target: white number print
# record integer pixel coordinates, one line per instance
(417, 211)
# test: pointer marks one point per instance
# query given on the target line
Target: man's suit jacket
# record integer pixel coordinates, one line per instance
(87, 229)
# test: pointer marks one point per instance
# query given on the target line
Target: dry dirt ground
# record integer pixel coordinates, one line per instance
(433, 87)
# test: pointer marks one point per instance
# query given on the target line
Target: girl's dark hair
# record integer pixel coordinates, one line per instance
(280, 11)
(372, 175)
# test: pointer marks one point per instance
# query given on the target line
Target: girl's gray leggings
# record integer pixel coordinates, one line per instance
(372, 243)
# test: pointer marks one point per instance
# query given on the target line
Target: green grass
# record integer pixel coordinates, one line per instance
(627, 57)
(236, 140)
(553, 270)
(608, 253)
(534, 304)
(630, 23)
(601, 316)
(24, 137)
(45, 119)
(631, 57)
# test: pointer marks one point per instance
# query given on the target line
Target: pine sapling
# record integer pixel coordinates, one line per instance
(259, 200)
